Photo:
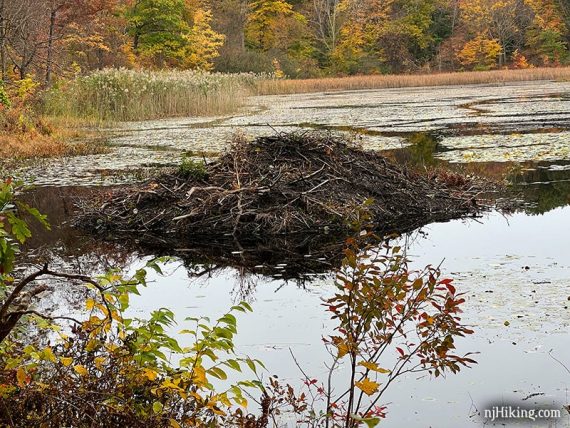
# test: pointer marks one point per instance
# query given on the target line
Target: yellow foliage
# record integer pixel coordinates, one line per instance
(203, 42)
(367, 386)
(81, 370)
(66, 361)
(480, 53)
(374, 367)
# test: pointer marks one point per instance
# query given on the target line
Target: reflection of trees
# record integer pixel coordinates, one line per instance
(542, 188)
(420, 153)
(546, 189)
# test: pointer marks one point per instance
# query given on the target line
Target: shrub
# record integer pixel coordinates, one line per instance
(192, 168)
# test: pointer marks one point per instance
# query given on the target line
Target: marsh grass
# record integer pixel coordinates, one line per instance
(126, 95)
(285, 86)
(36, 146)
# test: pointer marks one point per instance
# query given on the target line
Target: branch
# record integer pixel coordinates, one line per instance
(46, 317)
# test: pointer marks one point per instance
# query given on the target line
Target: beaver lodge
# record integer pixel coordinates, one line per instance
(300, 183)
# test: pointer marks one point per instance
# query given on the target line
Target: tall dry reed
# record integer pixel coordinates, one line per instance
(124, 95)
(279, 86)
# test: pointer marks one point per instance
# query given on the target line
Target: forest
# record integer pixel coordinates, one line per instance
(297, 38)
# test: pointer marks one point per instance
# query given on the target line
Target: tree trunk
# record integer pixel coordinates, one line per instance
(3, 59)
(136, 41)
(52, 19)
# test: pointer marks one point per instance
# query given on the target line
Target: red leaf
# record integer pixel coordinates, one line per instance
(401, 351)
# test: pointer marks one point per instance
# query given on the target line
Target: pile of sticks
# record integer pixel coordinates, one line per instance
(280, 185)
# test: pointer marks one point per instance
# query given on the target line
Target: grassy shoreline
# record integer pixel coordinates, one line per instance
(289, 86)
(69, 110)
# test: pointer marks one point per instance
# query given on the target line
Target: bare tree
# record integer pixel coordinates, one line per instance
(24, 36)
(327, 22)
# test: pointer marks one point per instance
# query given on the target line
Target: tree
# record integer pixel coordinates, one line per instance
(158, 28)
(546, 32)
(480, 53)
(327, 18)
(267, 21)
(203, 42)
(24, 22)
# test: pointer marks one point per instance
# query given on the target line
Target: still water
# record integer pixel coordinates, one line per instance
(514, 267)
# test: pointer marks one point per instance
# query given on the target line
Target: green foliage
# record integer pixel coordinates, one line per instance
(14, 230)
(173, 33)
(108, 369)
(158, 27)
(4, 98)
(549, 45)
(191, 168)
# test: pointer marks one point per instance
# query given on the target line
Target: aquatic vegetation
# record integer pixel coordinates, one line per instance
(295, 86)
(123, 95)
(506, 148)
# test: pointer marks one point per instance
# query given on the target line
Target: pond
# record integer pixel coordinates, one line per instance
(514, 268)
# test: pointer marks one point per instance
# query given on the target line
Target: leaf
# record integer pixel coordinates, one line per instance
(81, 370)
(99, 362)
(174, 424)
(374, 367)
(370, 422)
(22, 377)
(218, 373)
(342, 349)
(66, 361)
(367, 386)
(150, 374)
(199, 376)
(251, 365)
(49, 355)
(20, 229)
(157, 407)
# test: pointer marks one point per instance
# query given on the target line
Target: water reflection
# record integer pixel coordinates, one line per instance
(540, 186)
(488, 260)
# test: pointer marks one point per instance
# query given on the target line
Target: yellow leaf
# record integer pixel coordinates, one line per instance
(81, 370)
(22, 377)
(342, 349)
(89, 304)
(150, 374)
(174, 424)
(66, 361)
(200, 376)
(49, 355)
(374, 367)
(99, 361)
(224, 399)
(168, 384)
(368, 386)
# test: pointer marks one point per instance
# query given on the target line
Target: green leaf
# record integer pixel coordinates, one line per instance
(217, 372)
(19, 229)
(157, 407)
(370, 422)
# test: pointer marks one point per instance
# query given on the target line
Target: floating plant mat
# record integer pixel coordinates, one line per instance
(284, 184)
(506, 148)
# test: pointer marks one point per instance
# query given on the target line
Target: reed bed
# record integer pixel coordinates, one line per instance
(126, 95)
(277, 86)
